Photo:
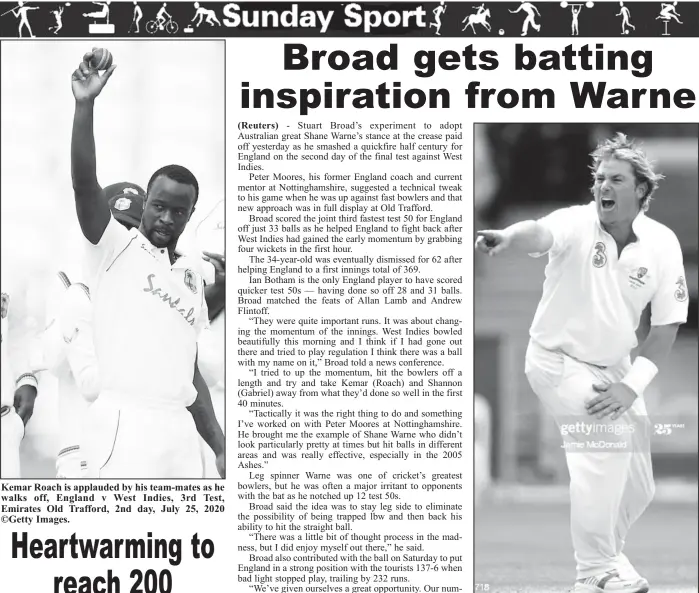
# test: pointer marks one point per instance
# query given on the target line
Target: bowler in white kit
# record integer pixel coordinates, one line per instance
(68, 345)
(149, 309)
(607, 261)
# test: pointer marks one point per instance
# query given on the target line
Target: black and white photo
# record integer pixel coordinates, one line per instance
(585, 355)
(113, 260)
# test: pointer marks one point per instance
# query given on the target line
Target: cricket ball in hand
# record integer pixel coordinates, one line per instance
(101, 59)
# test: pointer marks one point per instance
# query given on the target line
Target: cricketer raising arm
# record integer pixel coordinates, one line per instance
(607, 261)
(148, 311)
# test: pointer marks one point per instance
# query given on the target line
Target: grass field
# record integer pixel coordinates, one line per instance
(524, 547)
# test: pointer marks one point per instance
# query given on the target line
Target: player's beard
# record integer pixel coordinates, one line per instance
(161, 240)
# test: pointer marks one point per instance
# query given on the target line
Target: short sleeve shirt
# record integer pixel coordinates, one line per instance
(16, 362)
(593, 297)
(147, 313)
(210, 236)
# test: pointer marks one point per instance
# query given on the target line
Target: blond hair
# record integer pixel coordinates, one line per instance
(621, 148)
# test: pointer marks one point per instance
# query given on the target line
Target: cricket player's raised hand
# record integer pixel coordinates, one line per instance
(492, 242)
(613, 399)
(88, 83)
(218, 261)
(216, 293)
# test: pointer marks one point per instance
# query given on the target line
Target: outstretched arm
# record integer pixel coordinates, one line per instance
(527, 236)
(92, 208)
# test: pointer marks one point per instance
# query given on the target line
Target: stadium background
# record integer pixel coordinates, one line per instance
(164, 104)
(522, 543)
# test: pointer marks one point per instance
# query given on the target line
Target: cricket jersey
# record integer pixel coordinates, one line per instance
(16, 358)
(67, 342)
(68, 346)
(211, 237)
(593, 297)
(147, 317)
(69, 354)
(7, 395)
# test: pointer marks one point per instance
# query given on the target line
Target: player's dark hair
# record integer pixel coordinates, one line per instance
(179, 174)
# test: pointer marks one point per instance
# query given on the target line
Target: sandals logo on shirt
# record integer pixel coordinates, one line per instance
(168, 299)
(681, 292)
(599, 258)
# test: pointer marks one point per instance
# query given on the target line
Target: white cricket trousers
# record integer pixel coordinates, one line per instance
(128, 438)
(611, 476)
(11, 434)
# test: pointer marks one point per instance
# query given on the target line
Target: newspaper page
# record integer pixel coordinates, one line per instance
(460, 351)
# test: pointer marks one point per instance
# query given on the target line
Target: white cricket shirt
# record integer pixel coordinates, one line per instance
(211, 231)
(211, 237)
(20, 357)
(69, 351)
(147, 316)
(593, 298)
(69, 354)
(7, 383)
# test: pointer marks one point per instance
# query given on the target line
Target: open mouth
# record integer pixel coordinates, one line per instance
(163, 234)
(607, 204)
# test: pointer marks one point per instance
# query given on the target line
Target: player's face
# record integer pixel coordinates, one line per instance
(616, 192)
(168, 208)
